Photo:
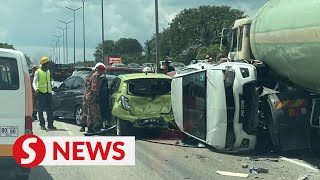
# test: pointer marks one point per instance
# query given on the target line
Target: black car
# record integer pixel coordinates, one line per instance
(68, 97)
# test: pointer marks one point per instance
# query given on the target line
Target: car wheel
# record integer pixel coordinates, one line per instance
(78, 114)
(123, 128)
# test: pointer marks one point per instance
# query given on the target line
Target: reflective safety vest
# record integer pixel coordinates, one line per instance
(44, 82)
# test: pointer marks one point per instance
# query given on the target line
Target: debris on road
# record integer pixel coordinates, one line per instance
(258, 170)
(244, 165)
(186, 156)
(302, 177)
(201, 156)
(201, 145)
(226, 173)
(264, 159)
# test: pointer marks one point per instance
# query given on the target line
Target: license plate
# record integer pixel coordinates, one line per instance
(8, 131)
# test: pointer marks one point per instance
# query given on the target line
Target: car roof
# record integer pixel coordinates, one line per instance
(107, 68)
(9, 50)
(126, 77)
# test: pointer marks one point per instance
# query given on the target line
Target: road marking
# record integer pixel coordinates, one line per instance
(69, 132)
(305, 165)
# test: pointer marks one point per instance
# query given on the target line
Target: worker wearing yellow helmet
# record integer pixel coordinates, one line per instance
(207, 58)
(42, 85)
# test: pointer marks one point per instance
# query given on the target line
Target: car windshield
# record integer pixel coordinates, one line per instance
(134, 65)
(149, 87)
(180, 65)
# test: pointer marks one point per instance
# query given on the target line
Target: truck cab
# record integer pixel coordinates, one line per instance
(236, 40)
(215, 104)
(286, 111)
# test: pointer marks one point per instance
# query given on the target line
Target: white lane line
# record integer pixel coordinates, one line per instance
(65, 127)
(305, 165)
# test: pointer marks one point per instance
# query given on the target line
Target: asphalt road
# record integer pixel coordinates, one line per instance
(166, 157)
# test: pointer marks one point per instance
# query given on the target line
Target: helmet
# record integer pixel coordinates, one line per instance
(100, 66)
(207, 56)
(44, 60)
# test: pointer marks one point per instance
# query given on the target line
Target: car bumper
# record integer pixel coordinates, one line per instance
(134, 119)
(10, 169)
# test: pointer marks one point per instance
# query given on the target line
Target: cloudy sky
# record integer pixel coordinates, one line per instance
(30, 25)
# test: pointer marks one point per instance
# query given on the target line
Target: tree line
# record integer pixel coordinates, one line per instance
(192, 34)
(9, 46)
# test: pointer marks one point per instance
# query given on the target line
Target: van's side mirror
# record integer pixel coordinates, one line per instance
(224, 38)
(55, 89)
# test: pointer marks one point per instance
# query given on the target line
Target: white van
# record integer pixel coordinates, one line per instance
(214, 104)
(15, 110)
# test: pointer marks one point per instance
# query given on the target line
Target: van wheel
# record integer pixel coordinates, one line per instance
(78, 114)
(123, 127)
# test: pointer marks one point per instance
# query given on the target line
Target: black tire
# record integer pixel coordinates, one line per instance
(122, 128)
(78, 114)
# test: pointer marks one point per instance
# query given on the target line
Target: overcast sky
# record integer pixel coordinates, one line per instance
(29, 25)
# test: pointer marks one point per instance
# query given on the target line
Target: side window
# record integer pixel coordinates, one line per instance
(195, 103)
(115, 85)
(66, 85)
(234, 40)
(9, 75)
(240, 39)
(78, 84)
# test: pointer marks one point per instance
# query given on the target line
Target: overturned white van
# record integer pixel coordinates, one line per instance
(214, 104)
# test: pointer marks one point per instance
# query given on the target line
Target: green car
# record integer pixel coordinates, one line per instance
(141, 101)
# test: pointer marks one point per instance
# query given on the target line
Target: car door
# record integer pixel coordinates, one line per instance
(113, 89)
(61, 97)
(77, 89)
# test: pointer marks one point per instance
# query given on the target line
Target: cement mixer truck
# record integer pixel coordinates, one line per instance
(271, 99)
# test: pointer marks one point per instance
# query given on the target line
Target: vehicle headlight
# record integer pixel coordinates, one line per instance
(245, 72)
(229, 76)
(125, 103)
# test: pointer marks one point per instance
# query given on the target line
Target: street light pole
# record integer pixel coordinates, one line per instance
(63, 49)
(84, 38)
(66, 23)
(102, 32)
(74, 33)
(59, 45)
(55, 49)
(157, 36)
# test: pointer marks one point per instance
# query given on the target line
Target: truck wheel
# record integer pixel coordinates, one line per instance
(123, 128)
(78, 114)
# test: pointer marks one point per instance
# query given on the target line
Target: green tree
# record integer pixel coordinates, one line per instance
(212, 51)
(29, 62)
(6, 46)
(127, 46)
(193, 30)
(108, 50)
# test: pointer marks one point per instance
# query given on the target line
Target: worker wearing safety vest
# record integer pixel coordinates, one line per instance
(42, 85)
